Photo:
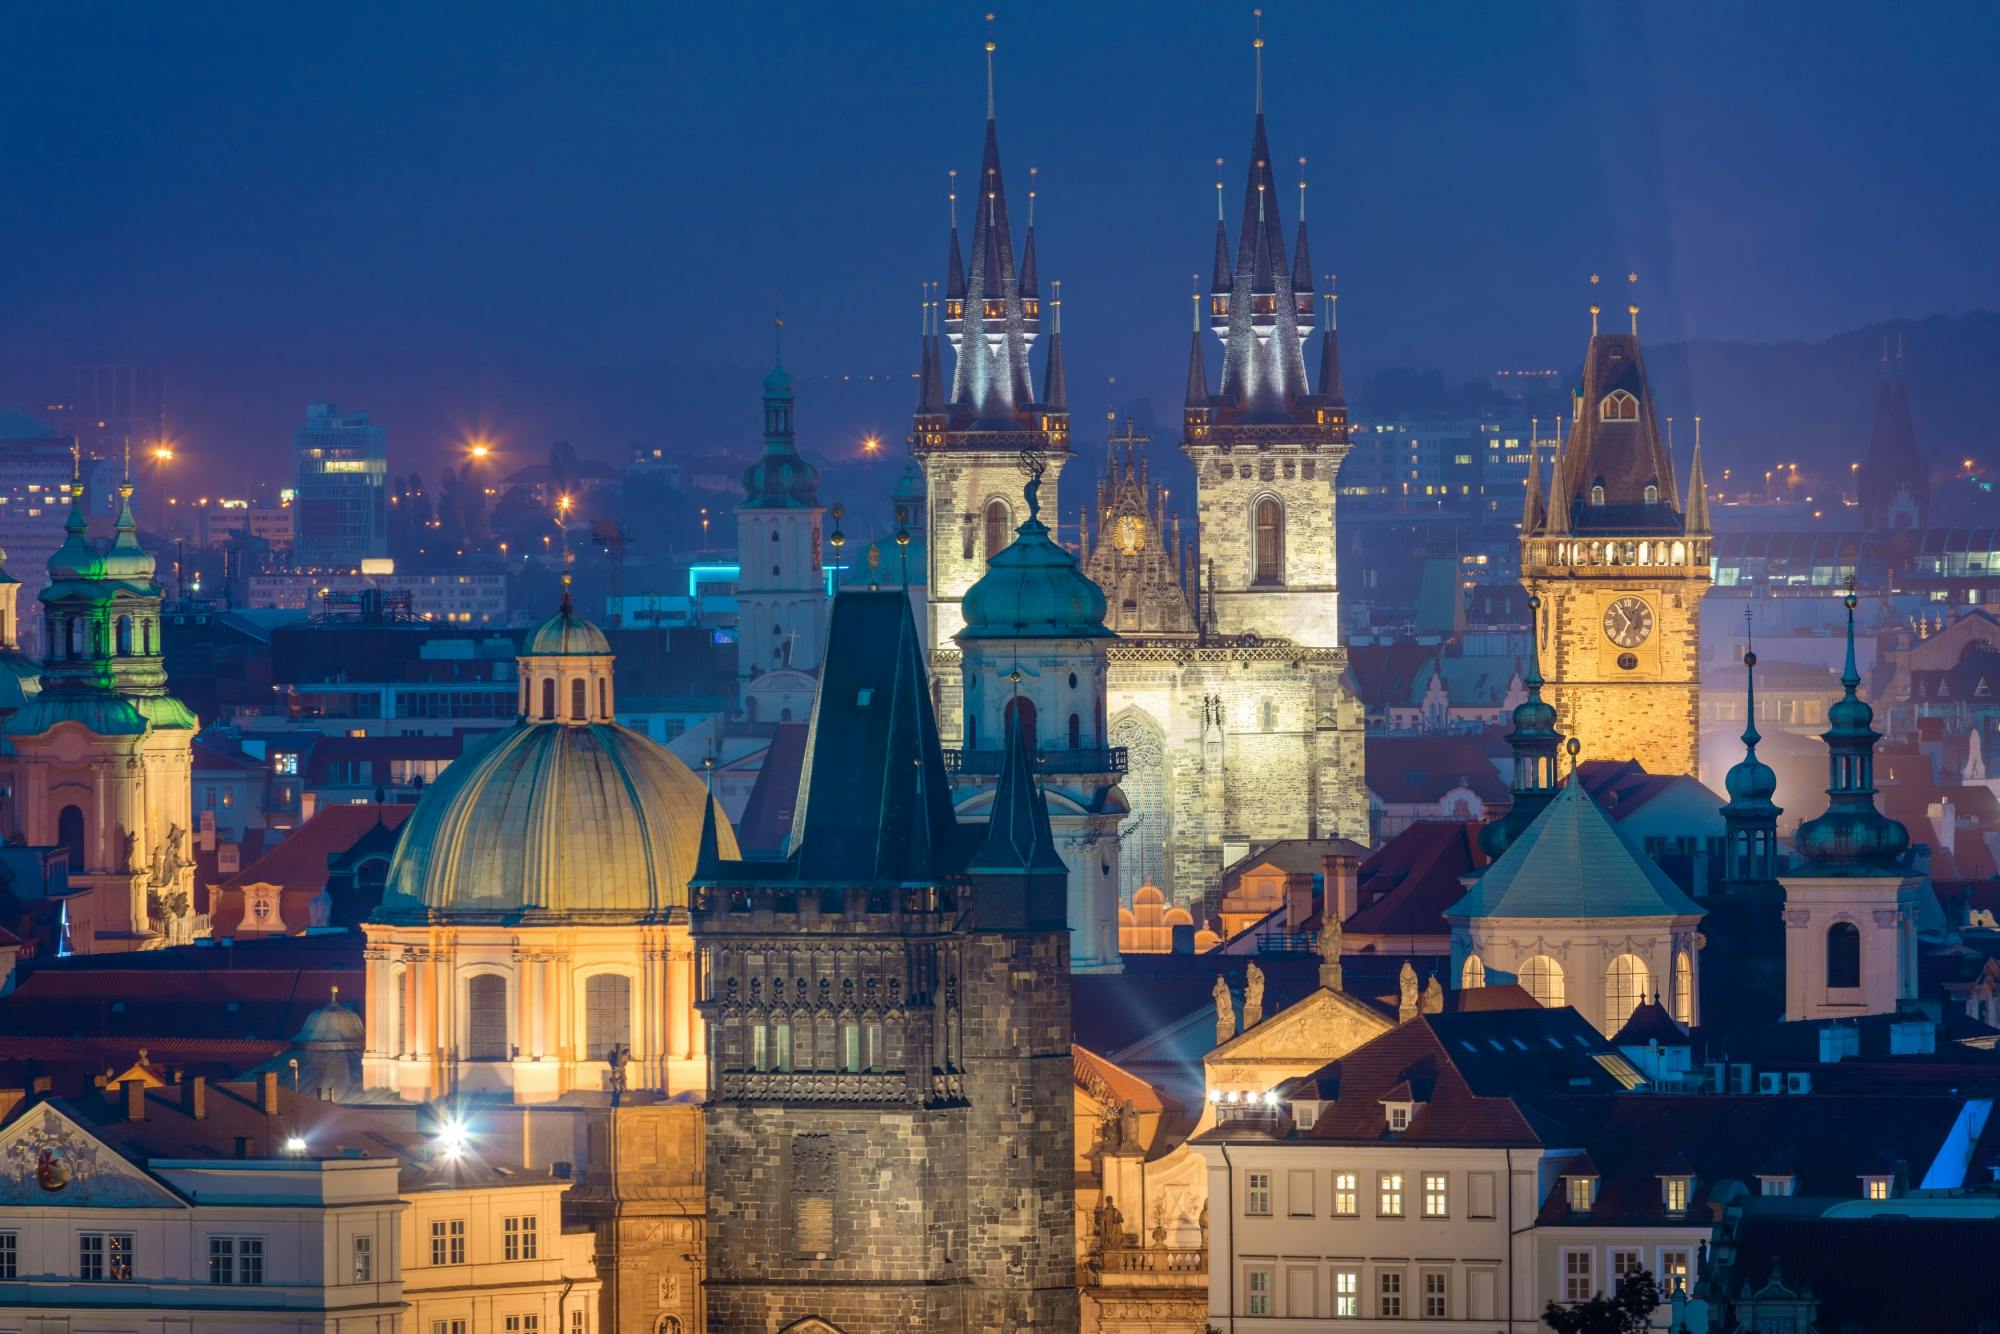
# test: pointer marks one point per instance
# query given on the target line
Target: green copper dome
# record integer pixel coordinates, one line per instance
(1851, 838)
(780, 480)
(1033, 590)
(565, 634)
(1751, 783)
(547, 818)
(127, 560)
(76, 558)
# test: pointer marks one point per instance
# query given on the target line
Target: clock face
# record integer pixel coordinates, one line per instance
(1628, 622)
(1129, 534)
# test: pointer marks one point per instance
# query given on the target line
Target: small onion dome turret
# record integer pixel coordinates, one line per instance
(1034, 590)
(566, 634)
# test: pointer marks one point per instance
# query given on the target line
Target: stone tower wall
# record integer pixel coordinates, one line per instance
(1304, 607)
(960, 483)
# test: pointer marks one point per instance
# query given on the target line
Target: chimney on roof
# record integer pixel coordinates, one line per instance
(42, 1084)
(1340, 891)
(229, 859)
(9, 1100)
(135, 1099)
(267, 1092)
(194, 1097)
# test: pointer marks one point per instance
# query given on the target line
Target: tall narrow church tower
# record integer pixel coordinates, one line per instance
(972, 429)
(781, 592)
(1266, 448)
(1620, 568)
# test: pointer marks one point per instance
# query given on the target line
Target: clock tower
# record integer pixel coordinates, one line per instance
(1620, 563)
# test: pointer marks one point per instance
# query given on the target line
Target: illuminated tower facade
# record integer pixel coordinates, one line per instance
(973, 426)
(781, 592)
(1620, 566)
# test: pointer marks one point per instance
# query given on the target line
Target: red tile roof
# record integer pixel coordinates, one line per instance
(1088, 1066)
(1414, 770)
(1407, 1063)
(1407, 884)
(299, 862)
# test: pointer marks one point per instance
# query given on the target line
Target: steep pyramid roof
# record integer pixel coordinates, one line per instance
(1573, 862)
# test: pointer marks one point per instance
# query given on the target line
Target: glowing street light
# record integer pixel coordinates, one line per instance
(163, 452)
(479, 449)
(453, 1139)
(870, 444)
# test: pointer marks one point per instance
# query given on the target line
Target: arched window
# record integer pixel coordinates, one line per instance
(1843, 955)
(781, 1046)
(1597, 493)
(1652, 494)
(1618, 406)
(576, 697)
(1473, 975)
(69, 834)
(1684, 988)
(607, 1014)
(149, 636)
(1270, 541)
(1075, 732)
(603, 699)
(1267, 716)
(486, 1018)
(1625, 985)
(73, 637)
(548, 697)
(124, 636)
(1023, 708)
(1542, 977)
(971, 730)
(996, 527)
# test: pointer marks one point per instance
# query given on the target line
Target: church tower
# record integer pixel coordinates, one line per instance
(889, 1130)
(1535, 743)
(972, 428)
(1750, 817)
(102, 756)
(1266, 449)
(781, 591)
(1620, 568)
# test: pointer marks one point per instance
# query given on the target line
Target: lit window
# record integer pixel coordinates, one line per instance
(1674, 1263)
(103, 1256)
(1389, 1195)
(1674, 1190)
(1579, 1271)
(364, 1258)
(1437, 1195)
(1257, 1196)
(1582, 1193)
(1346, 1195)
(1875, 1188)
(1618, 406)
(1260, 1292)
(1346, 1294)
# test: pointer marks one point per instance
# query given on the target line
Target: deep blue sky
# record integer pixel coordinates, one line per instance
(252, 192)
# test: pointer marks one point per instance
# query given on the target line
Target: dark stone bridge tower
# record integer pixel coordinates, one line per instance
(889, 1131)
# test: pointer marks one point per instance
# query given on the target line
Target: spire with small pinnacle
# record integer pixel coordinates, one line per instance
(1302, 272)
(1531, 510)
(1030, 286)
(924, 350)
(1197, 378)
(1018, 837)
(1055, 390)
(954, 268)
(1225, 269)
(1697, 500)
(1330, 386)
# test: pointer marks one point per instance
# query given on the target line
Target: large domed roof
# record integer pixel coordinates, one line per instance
(1033, 590)
(566, 634)
(549, 819)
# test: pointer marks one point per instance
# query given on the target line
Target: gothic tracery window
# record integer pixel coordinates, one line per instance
(1618, 406)
(1270, 540)
(996, 528)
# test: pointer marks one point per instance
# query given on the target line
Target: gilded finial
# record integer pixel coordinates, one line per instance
(1575, 748)
(1032, 173)
(837, 539)
(1218, 190)
(1257, 44)
(1302, 187)
(951, 194)
(990, 45)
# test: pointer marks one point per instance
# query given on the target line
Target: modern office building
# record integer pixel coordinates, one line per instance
(342, 514)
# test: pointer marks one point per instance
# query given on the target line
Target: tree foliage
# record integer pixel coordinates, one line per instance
(1628, 1311)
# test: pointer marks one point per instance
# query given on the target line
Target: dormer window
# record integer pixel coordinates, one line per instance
(1305, 1113)
(1618, 406)
(1582, 1193)
(1674, 1191)
(1876, 1187)
(1597, 494)
(1777, 1185)
(1399, 1116)
(1652, 494)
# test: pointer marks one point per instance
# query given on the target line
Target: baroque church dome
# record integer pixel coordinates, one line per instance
(560, 815)
(1033, 589)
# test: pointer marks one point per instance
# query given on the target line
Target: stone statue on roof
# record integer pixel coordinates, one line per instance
(1253, 997)
(1225, 1011)
(1329, 947)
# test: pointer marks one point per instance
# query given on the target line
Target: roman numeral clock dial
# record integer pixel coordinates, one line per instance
(1628, 622)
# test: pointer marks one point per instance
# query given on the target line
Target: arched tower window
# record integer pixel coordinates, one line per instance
(1684, 988)
(548, 697)
(607, 1014)
(1269, 521)
(1023, 708)
(576, 700)
(1597, 495)
(603, 699)
(1075, 732)
(1618, 406)
(1543, 979)
(124, 636)
(1843, 955)
(1267, 716)
(1625, 984)
(1652, 494)
(69, 834)
(1473, 975)
(486, 1018)
(996, 527)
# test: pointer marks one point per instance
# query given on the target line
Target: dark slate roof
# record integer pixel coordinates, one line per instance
(767, 815)
(1018, 838)
(1623, 455)
(1452, 1112)
(1521, 1052)
(1574, 862)
(1420, 769)
(1650, 1022)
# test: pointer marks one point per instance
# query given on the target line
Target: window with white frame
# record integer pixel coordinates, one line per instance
(1579, 1275)
(1257, 1194)
(235, 1260)
(447, 1241)
(1346, 1294)
(1437, 1294)
(1624, 1263)
(1437, 1195)
(528, 1323)
(1582, 1193)
(1674, 1193)
(518, 1238)
(364, 1258)
(1258, 1285)
(1399, 1115)
(1774, 1185)
(1389, 1294)
(1675, 1262)
(10, 1255)
(1389, 1195)
(1875, 1188)
(104, 1256)
(1346, 1195)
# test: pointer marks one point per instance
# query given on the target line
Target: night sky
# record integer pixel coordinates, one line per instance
(500, 201)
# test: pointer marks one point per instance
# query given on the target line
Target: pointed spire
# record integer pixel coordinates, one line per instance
(1531, 510)
(1224, 276)
(1558, 502)
(924, 350)
(708, 853)
(1055, 389)
(1850, 676)
(1257, 43)
(989, 66)
(936, 402)
(1018, 836)
(1302, 273)
(954, 269)
(1330, 384)
(1029, 285)
(1697, 506)
(1197, 376)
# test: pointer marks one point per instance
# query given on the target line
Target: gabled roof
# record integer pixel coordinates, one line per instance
(1389, 1069)
(1573, 862)
(1414, 770)
(1650, 1022)
(299, 863)
(1407, 884)
(767, 815)
(1088, 1069)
